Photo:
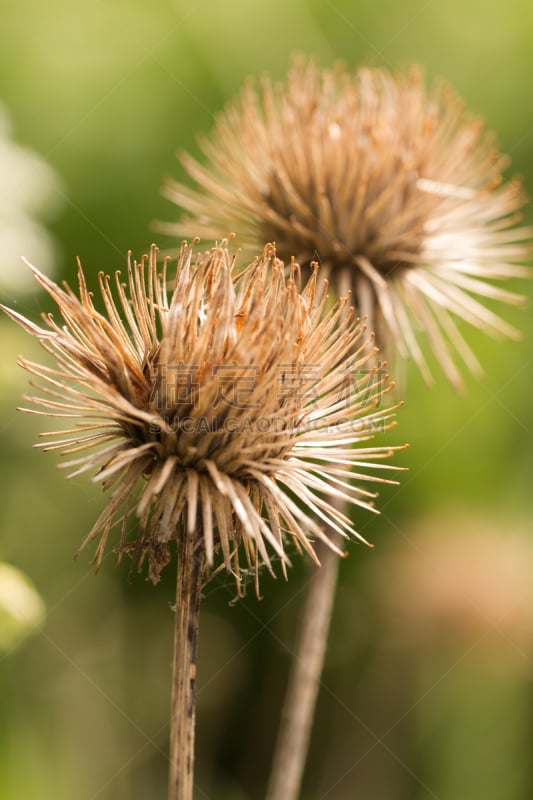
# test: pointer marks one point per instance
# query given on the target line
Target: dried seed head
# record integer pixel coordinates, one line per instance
(397, 191)
(216, 406)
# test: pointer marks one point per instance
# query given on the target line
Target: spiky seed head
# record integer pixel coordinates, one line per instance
(224, 404)
(398, 191)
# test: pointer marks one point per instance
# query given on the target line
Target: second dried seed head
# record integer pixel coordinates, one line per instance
(397, 190)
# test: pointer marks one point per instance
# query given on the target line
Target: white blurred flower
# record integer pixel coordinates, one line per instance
(30, 195)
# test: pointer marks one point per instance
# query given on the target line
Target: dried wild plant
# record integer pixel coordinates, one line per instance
(231, 402)
(207, 410)
(400, 194)
(398, 191)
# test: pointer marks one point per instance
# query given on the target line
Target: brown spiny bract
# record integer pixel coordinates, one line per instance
(395, 189)
(225, 407)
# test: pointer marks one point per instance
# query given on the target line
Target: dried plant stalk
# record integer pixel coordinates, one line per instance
(182, 724)
(304, 681)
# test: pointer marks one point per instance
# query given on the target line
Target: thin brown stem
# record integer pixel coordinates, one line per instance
(304, 681)
(189, 584)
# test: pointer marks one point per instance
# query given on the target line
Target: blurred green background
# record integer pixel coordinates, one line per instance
(427, 691)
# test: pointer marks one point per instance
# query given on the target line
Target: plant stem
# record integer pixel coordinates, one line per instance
(300, 699)
(189, 584)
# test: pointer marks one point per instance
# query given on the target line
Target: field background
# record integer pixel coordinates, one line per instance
(427, 692)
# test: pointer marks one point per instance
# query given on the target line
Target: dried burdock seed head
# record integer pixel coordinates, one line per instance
(396, 190)
(226, 405)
